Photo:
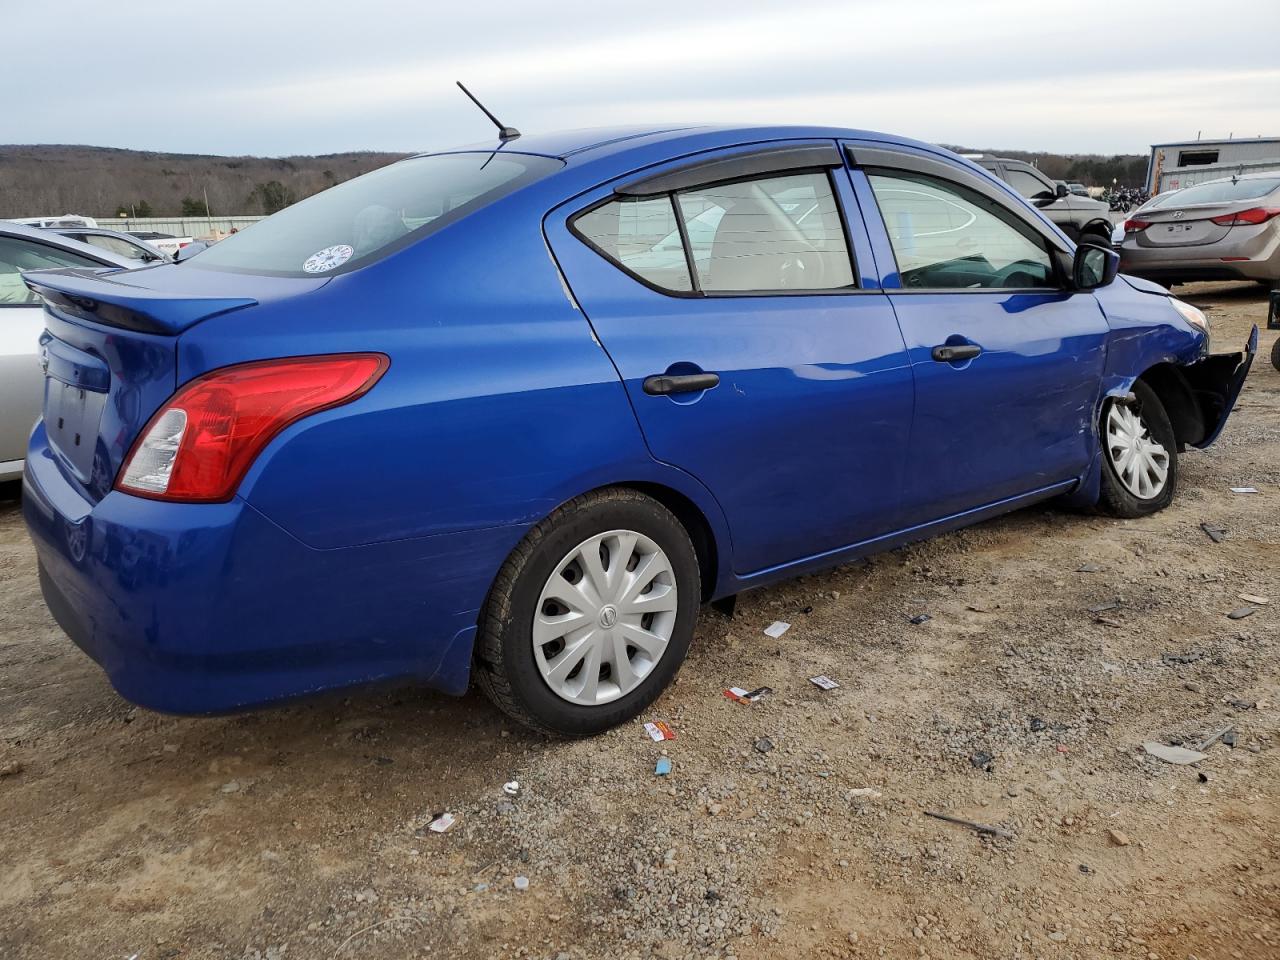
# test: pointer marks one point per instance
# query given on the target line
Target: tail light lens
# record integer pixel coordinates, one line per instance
(198, 446)
(1135, 226)
(1252, 216)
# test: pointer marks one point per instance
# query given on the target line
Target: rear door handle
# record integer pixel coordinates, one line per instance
(951, 352)
(665, 384)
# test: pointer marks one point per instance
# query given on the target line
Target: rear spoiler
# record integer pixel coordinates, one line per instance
(94, 296)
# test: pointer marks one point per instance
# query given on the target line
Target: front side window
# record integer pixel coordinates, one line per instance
(772, 234)
(357, 222)
(947, 237)
(119, 247)
(1028, 184)
(19, 255)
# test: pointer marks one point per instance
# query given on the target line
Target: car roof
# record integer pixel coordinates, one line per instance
(53, 238)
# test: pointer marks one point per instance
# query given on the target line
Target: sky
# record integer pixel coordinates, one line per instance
(275, 78)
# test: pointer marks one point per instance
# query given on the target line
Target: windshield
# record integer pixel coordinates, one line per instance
(1222, 191)
(357, 222)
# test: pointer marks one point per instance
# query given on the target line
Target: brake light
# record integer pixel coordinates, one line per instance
(1135, 226)
(199, 445)
(1252, 216)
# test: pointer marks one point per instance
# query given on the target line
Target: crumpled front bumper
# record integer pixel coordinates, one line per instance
(1216, 380)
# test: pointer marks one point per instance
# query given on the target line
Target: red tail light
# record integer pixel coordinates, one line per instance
(199, 445)
(1253, 216)
(1135, 226)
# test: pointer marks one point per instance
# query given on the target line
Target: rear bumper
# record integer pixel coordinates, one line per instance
(204, 608)
(1170, 264)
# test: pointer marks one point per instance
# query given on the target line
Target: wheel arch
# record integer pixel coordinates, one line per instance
(1185, 413)
(1098, 226)
(695, 523)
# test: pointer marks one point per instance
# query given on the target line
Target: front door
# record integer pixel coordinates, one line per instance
(755, 357)
(1008, 362)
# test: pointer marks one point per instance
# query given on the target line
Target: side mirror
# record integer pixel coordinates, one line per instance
(1063, 190)
(1094, 267)
(190, 250)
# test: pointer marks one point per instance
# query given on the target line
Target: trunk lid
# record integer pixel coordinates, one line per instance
(1188, 226)
(110, 352)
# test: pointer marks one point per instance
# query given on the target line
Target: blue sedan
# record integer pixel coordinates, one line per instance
(513, 412)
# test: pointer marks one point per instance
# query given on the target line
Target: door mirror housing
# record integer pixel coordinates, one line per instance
(1063, 190)
(1094, 267)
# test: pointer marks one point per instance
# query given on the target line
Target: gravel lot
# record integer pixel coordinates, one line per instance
(301, 832)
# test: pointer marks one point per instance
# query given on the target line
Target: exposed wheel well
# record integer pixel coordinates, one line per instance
(694, 521)
(1179, 402)
(1096, 228)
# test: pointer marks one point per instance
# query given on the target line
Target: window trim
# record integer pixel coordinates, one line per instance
(697, 292)
(1012, 220)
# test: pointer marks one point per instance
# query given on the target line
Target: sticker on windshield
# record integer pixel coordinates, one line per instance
(330, 258)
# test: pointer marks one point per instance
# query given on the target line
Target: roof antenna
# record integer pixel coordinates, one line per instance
(504, 133)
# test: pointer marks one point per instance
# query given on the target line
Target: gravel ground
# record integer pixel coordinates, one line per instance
(791, 827)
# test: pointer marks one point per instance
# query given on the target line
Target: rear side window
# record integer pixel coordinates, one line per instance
(764, 235)
(1027, 184)
(362, 220)
(19, 255)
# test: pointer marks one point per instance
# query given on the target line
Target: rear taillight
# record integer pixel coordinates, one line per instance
(199, 445)
(1252, 216)
(1135, 226)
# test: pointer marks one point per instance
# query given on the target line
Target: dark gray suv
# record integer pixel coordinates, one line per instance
(1080, 218)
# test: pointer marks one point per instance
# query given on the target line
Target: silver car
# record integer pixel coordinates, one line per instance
(1226, 229)
(22, 322)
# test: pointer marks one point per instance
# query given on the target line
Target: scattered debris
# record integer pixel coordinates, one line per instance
(659, 731)
(1089, 568)
(1216, 534)
(747, 697)
(919, 618)
(1109, 605)
(231, 786)
(981, 606)
(863, 793)
(1229, 739)
(823, 681)
(11, 769)
(1233, 704)
(1176, 755)
(777, 629)
(1214, 738)
(982, 760)
(511, 788)
(1085, 869)
(978, 827)
(1182, 658)
(443, 823)
(1037, 725)
(520, 883)
(663, 767)
(1118, 838)
(807, 610)
(763, 745)
(1108, 621)
(1244, 489)
(1254, 598)
(1241, 612)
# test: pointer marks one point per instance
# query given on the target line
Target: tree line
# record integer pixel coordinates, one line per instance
(46, 180)
(1091, 169)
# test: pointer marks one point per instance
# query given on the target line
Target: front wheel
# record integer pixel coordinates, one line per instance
(1139, 454)
(591, 616)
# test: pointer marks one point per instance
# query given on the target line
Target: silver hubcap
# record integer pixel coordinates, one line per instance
(1141, 462)
(605, 617)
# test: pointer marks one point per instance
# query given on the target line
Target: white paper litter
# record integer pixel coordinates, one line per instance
(1254, 598)
(776, 629)
(823, 681)
(1244, 489)
(443, 823)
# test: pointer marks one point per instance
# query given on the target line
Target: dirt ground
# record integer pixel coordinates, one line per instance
(300, 832)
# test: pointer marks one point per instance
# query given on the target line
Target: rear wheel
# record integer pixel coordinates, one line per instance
(591, 616)
(1139, 454)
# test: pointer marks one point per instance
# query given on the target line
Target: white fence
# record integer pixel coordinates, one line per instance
(178, 226)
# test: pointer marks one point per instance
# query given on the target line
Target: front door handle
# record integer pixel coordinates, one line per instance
(665, 384)
(953, 352)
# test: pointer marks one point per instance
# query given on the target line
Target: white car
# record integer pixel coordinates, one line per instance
(21, 324)
(164, 242)
(66, 220)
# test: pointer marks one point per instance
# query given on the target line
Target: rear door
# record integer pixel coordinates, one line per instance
(1007, 362)
(756, 355)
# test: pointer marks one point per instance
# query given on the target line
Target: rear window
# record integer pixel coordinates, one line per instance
(1222, 191)
(362, 220)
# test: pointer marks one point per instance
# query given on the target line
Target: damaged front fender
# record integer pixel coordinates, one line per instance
(1215, 381)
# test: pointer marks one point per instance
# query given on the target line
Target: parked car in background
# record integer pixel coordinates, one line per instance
(1078, 189)
(1227, 229)
(1080, 218)
(21, 324)
(122, 244)
(66, 220)
(164, 242)
(507, 415)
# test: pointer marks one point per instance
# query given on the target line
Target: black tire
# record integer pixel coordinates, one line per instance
(505, 668)
(1115, 498)
(1275, 354)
